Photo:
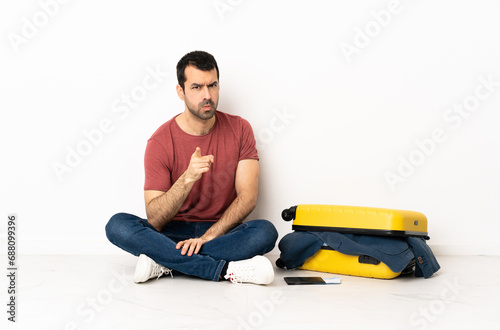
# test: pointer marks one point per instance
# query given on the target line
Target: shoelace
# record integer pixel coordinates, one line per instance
(159, 270)
(243, 274)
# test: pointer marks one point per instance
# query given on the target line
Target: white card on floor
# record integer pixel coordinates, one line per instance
(332, 280)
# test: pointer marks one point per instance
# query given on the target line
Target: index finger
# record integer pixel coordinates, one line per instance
(197, 152)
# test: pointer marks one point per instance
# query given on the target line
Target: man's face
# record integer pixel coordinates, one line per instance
(201, 92)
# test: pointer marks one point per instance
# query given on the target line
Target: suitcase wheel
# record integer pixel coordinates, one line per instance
(289, 214)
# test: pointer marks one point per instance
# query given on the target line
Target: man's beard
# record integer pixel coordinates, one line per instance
(199, 112)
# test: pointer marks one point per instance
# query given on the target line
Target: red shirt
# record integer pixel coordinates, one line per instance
(169, 151)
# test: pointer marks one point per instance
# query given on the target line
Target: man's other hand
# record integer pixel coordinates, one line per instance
(190, 246)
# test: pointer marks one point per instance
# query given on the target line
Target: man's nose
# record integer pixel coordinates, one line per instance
(206, 93)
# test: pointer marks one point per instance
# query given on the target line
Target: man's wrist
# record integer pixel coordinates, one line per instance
(207, 237)
(186, 180)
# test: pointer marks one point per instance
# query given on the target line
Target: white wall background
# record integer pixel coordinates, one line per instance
(330, 124)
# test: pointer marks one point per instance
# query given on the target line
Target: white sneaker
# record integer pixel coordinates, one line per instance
(147, 268)
(257, 270)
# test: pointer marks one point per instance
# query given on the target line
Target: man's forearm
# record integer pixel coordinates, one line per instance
(162, 209)
(234, 215)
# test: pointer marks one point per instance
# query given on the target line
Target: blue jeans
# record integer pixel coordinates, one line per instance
(135, 235)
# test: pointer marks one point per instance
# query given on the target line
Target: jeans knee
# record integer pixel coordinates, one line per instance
(271, 229)
(114, 227)
(267, 230)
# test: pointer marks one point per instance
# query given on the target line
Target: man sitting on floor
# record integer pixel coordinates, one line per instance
(201, 182)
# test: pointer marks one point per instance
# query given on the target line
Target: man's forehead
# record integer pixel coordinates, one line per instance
(193, 74)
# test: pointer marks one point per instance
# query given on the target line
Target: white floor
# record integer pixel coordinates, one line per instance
(97, 292)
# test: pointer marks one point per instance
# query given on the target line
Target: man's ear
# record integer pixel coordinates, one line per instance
(180, 92)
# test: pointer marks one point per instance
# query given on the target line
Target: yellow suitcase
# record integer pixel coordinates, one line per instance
(354, 220)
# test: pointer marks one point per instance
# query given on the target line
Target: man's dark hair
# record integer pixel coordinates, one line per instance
(201, 60)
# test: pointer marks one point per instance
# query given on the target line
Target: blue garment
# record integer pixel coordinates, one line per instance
(395, 252)
(135, 235)
(425, 261)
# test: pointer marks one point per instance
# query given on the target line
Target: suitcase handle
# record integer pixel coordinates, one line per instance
(289, 214)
